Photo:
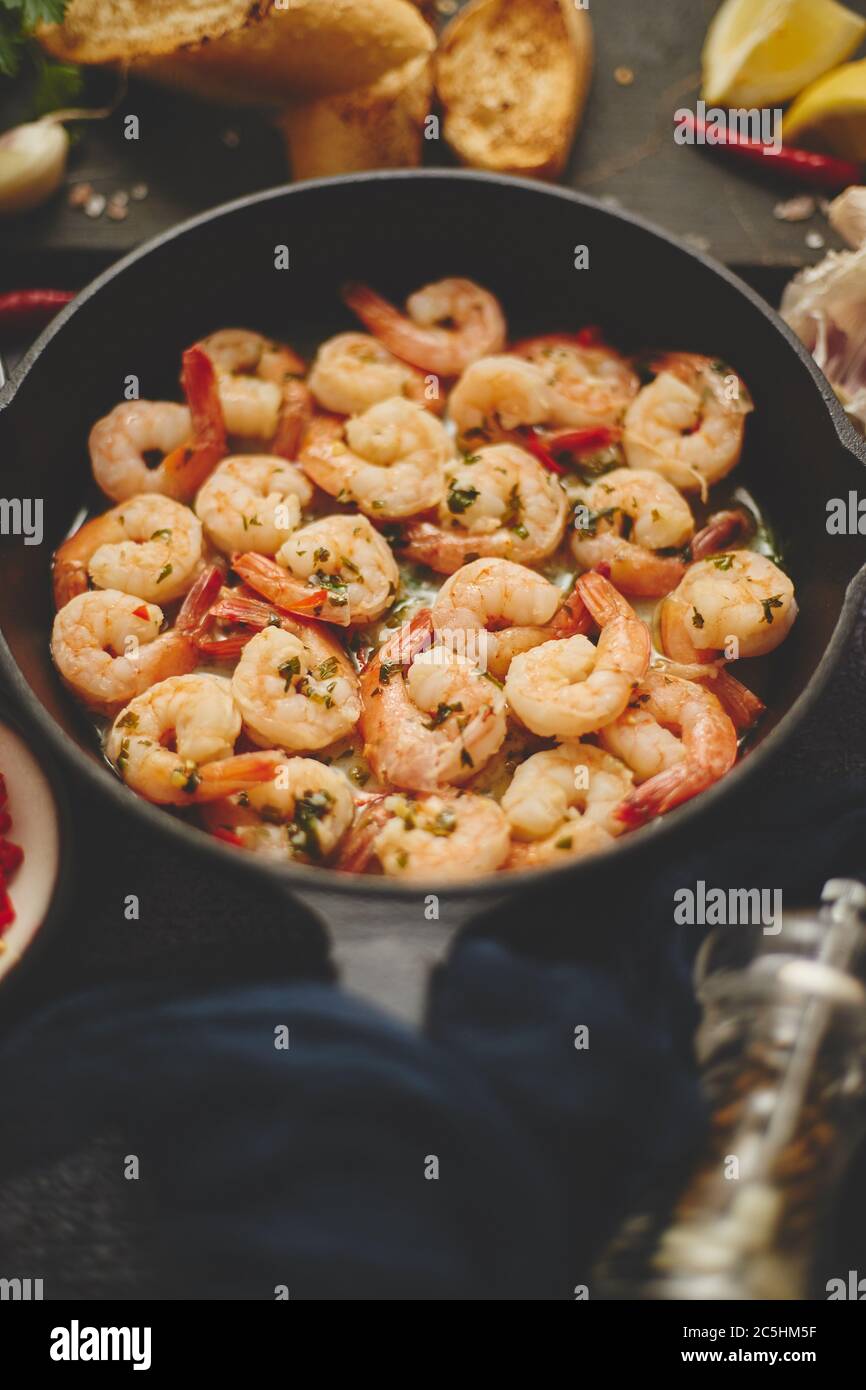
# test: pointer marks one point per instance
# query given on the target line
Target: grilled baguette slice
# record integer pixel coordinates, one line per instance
(244, 53)
(513, 80)
(380, 126)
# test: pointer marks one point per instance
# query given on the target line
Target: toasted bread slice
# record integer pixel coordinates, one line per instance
(242, 53)
(380, 126)
(513, 80)
(117, 31)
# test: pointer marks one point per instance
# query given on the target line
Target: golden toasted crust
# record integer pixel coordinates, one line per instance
(513, 80)
(107, 31)
(249, 54)
(379, 126)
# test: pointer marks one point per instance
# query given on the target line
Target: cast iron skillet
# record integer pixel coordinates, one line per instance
(398, 230)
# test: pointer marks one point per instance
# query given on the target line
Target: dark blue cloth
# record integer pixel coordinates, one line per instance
(307, 1167)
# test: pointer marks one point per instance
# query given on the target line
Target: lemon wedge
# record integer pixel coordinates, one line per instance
(760, 52)
(834, 110)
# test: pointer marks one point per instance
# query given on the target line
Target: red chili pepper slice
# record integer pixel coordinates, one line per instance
(228, 836)
(23, 309)
(571, 442)
(11, 857)
(140, 612)
(822, 170)
(7, 911)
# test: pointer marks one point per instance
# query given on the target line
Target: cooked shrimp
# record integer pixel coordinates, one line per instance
(689, 423)
(389, 461)
(354, 371)
(563, 801)
(174, 744)
(109, 647)
(499, 394)
(499, 502)
(419, 336)
(589, 383)
(568, 687)
(676, 738)
(252, 502)
(492, 609)
(148, 546)
(430, 718)
(191, 439)
(302, 814)
(623, 520)
(260, 388)
(741, 705)
(296, 690)
(738, 602)
(348, 558)
(441, 838)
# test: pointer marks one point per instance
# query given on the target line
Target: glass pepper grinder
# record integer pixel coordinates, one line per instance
(782, 1052)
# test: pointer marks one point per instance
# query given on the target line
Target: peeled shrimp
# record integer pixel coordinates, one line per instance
(492, 609)
(419, 336)
(500, 393)
(302, 814)
(562, 801)
(738, 602)
(348, 557)
(174, 744)
(260, 388)
(689, 423)
(442, 837)
(567, 688)
(677, 739)
(295, 689)
(252, 502)
(430, 718)
(588, 382)
(354, 371)
(499, 502)
(109, 647)
(148, 546)
(623, 520)
(338, 569)
(388, 462)
(191, 438)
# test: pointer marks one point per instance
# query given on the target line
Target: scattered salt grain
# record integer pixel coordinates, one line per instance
(95, 205)
(798, 209)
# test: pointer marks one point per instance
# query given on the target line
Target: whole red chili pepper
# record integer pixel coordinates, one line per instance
(822, 170)
(30, 309)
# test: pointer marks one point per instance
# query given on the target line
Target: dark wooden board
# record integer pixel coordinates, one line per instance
(193, 157)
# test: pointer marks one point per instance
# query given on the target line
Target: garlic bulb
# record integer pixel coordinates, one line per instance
(32, 164)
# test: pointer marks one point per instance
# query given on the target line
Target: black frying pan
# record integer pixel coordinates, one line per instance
(398, 230)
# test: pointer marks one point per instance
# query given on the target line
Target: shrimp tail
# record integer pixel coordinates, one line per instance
(741, 705)
(276, 585)
(357, 848)
(187, 467)
(662, 793)
(296, 412)
(601, 598)
(235, 774)
(194, 615)
(572, 618)
(720, 530)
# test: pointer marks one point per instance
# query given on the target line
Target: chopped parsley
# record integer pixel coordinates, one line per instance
(460, 499)
(768, 604)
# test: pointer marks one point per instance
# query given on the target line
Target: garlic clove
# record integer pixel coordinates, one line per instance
(32, 165)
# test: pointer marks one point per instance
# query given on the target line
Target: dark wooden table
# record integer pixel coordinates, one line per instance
(193, 157)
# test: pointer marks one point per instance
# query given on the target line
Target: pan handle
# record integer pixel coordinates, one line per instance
(385, 948)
